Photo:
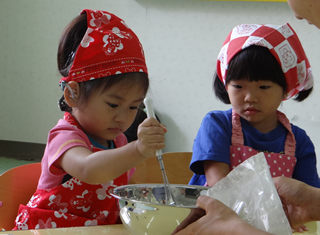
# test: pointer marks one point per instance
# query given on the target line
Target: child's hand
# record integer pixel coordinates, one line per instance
(150, 137)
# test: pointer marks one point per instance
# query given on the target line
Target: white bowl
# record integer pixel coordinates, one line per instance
(143, 210)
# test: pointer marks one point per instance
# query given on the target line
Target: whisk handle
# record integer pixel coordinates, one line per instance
(148, 102)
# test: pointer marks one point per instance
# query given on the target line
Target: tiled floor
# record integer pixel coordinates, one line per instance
(8, 163)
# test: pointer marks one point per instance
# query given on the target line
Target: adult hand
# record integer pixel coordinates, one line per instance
(300, 201)
(218, 220)
(150, 137)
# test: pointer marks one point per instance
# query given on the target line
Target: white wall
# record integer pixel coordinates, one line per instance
(181, 39)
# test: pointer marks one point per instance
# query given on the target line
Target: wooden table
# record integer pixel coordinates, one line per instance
(117, 229)
(314, 229)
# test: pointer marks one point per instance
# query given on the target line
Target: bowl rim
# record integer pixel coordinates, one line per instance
(112, 192)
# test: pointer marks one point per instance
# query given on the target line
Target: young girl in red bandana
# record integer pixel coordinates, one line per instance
(258, 67)
(104, 81)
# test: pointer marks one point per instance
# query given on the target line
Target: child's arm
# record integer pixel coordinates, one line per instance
(103, 166)
(215, 171)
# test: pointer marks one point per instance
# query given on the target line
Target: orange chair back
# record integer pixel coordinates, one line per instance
(176, 165)
(17, 185)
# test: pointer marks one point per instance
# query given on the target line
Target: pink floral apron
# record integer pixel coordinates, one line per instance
(279, 164)
(73, 203)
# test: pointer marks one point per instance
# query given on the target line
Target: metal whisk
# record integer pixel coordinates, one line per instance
(169, 197)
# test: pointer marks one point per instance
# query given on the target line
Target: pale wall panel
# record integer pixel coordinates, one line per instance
(181, 39)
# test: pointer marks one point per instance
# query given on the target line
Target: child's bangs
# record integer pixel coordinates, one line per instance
(256, 63)
(127, 80)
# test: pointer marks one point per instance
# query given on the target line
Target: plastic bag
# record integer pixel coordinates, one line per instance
(250, 192)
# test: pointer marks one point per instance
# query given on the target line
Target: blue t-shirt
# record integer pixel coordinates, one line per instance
(213, 142)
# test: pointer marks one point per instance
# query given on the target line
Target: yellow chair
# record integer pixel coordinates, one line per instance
(176, 165)
(17, 185)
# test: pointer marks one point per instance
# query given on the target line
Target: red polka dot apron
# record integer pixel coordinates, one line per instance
(73, 203)
(279, 164)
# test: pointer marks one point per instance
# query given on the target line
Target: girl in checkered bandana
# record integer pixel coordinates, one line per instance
(104, 80)
(258, 67)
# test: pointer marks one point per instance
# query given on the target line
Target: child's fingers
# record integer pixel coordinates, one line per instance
(150, 122)
(148, 136)
(156, 139)
(151, 137)
(147, 147)
(164, 127)
(153, 122)
(151, 127)
(151, 130)
(157, 146)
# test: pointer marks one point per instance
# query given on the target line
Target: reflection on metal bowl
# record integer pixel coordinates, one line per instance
(143, 209)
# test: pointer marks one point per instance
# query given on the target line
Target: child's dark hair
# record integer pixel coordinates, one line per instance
(254, 63)
(68, 45)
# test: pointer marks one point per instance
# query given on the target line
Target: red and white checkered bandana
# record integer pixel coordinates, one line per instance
(108, 47)
(284, 45)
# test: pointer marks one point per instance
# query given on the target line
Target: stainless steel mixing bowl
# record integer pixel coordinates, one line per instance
(143, 210)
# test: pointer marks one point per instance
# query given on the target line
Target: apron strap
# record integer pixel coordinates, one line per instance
(290, 144)
(237, 135)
